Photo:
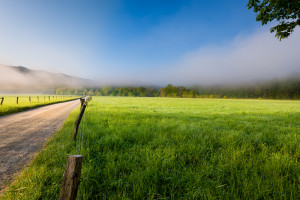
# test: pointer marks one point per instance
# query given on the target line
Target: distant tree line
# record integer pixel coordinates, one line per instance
(275, 89)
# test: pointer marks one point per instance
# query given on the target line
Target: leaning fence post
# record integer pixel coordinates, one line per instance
(78, 121)
(71, 178)
(2, 101)
(81, 101)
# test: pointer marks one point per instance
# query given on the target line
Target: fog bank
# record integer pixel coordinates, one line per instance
(245, 59)
(21, 79)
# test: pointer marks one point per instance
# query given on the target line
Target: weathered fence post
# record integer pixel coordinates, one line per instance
(38, 99)
(2, 100)
(86, 101)
(78, 121)
(17, 100)
(82, 101)
(30, 99)
(71, 178)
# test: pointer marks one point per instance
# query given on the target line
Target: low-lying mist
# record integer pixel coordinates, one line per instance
(244, 60)
(21, 79)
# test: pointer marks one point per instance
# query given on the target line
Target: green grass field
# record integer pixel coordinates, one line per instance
(10, 105)
(164, 148)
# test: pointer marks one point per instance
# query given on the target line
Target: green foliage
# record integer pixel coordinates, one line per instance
(167, 148)
(286, 12)
(275, 89)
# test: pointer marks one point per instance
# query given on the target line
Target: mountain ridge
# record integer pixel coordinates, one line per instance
(22, 79)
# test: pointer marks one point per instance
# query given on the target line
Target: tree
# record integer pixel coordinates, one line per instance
(59, 91)
(286, 12)
(185, 94)
(85, 91)
(91, 92)
(192, 94)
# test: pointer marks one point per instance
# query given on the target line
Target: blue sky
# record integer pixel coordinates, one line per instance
(133, 41)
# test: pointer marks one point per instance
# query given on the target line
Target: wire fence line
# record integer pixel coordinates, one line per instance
(79, 141)
(79, 146)
(70, 188)
(32, 99)
(81, 137)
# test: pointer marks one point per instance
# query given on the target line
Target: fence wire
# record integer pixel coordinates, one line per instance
(79, 144)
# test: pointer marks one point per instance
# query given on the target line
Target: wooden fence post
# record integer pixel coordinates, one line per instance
(82, 101)
(71, 178)
(49, 98)
(17, 100)
(38, 99)
(78, 121)
(30, 99)
(2, 101)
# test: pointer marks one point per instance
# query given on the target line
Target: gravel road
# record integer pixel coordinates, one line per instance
(23, 134)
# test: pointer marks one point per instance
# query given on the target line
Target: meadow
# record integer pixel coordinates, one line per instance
(10, 104)
(174, 148)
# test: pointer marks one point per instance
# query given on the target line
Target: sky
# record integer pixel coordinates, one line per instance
(156, 42)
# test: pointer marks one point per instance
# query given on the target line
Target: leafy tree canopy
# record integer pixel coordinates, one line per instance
(286, 12)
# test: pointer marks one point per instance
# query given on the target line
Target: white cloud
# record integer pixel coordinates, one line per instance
(247, 58)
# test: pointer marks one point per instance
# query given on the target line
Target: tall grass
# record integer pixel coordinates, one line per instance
(159, 148)
(10, 102)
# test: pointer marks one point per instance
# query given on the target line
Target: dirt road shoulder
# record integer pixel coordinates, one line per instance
(23, 134)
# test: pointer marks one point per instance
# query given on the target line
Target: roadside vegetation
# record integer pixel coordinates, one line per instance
(25, 102)
(171, 148)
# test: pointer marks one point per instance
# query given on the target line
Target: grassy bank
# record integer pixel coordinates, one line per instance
(10, 104)
(163, 148)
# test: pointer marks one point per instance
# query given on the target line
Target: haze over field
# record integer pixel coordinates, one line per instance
(144, 42)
